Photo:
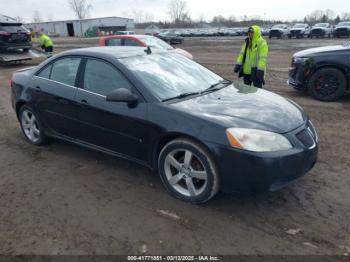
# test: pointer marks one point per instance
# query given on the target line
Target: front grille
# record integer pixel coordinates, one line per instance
(318, 32)
(275, 33)
(295, 32)
(306, 137)
(341, 31)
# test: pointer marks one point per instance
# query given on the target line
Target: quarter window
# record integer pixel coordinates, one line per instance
(65, 70)
(46, 72)
(102, 78)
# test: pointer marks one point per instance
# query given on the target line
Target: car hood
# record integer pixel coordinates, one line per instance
(323, 49)
(184, 53)
(343, 26)
(239, 105)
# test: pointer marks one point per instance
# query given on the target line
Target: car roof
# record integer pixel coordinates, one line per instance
(113, 51)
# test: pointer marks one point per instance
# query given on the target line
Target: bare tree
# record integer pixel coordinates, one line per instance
(345, 16)
(330, 14)
(178, 11)
(81, 8)
(36, 17)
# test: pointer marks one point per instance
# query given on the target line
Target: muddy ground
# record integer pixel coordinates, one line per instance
(64, 199)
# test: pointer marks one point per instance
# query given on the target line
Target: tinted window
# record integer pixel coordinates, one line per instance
(129, 42)
(46, 72)
(102, 78)
(114, 42)
(65, 70)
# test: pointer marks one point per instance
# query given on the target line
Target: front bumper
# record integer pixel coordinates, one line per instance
(248, 172)
(342, 32)
(299, 75)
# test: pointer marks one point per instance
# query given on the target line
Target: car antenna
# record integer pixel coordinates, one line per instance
(148, 50)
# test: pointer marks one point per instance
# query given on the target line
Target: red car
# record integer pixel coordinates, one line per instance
(140, 40)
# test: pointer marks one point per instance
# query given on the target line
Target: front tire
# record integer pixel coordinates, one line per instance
(31, 126)
(188, 171)
(327, 84)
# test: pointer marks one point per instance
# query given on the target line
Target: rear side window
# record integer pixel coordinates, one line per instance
(114, 42)
(129, 42)
(65, 70)
(102, 78)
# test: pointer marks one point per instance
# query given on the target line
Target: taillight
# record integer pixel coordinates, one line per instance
(3, 33)
(11, 82)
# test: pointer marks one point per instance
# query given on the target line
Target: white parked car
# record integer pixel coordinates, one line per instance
(342, 29)
(321, 30)
(279, 31)
(299, 31)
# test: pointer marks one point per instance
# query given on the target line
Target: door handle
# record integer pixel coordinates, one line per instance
(38, 88)
(84, 101)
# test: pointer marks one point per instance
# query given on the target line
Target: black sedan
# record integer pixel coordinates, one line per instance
(171, 38)
(199, 132)
(324, 72)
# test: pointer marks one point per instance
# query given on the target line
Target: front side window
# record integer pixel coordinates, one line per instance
(102, 78)
(156, 43)
(65, 70)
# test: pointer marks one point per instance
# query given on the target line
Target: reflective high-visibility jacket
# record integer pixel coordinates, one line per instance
(45, 41)
(256, 55)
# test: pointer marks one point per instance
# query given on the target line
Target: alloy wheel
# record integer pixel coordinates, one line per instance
(30, 126)
(185, 172)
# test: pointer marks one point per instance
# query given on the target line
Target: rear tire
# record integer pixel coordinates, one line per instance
(327, 84)
(188, 171)
(31, 126)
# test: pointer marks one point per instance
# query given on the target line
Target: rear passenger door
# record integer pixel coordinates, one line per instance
(114, 126)
(55, 88)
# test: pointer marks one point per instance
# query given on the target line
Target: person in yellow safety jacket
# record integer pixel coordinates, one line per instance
(252, 60)
(45, 42)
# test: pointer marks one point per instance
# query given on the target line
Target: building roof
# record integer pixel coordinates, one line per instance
(75, 20)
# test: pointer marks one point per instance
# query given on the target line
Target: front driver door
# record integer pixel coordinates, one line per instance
(115, 126)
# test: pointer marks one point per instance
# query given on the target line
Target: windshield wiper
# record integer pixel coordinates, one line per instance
(215, 87)
(184, 95)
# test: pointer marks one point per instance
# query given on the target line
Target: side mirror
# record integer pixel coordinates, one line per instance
(122, 95)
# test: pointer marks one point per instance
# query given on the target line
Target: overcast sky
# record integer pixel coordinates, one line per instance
(273, 9)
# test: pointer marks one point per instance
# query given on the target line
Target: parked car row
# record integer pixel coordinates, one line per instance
(300, 30)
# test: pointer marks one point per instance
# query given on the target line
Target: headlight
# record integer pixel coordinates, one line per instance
(300, 60)
(257, 140)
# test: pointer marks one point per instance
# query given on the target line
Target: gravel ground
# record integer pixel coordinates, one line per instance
(64, 199)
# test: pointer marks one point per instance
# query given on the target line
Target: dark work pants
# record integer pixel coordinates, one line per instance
(48, 49)
(247, 81)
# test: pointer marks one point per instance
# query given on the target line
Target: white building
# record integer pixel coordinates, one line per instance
(84, 27)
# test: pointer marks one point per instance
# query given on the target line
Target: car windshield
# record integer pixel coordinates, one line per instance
(279, 26)
(321, 25)
(170, 75)
(299, 26)
(156, 43)
(344, 24)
